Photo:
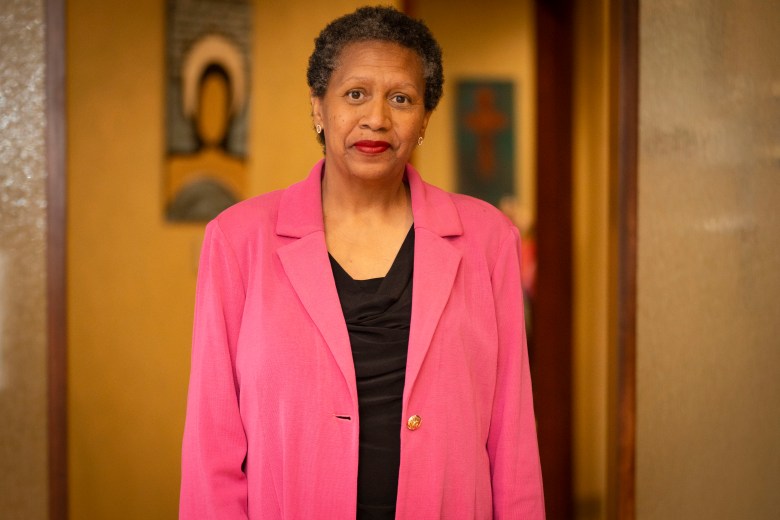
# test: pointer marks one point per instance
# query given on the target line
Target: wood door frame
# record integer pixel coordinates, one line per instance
(553, 311)
(624, 153)
(56, 193)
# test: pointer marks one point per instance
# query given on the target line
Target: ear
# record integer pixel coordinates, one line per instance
(316, 110)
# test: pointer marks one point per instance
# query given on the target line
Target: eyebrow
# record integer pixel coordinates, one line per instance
(360, 79)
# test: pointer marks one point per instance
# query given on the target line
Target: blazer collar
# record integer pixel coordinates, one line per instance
(300, 208)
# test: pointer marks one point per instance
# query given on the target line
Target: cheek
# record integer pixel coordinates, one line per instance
(412, 129)
(341, 125)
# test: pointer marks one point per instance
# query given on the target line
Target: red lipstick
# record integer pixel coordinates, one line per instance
(366, 146)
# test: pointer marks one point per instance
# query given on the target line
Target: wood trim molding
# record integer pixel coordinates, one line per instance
(625, 74)
(56, 257)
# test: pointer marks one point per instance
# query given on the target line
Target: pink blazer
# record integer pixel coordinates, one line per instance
(272, 413)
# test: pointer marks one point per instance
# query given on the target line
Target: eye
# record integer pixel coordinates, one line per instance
(355, 95)
(400, 99)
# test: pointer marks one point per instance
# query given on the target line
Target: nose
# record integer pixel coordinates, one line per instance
(376, 115)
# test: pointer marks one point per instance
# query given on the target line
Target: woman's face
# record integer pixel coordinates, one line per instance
(373, 111)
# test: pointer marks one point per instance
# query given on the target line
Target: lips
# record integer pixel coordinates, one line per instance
(372, 147)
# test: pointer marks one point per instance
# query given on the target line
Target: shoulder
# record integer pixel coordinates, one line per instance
(274, 216)
(485, 228)
(477, 228)
(249, 216)
(476, 215)
(454, 215)
(481, 221)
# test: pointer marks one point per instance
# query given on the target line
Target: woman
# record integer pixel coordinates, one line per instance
(359, 348)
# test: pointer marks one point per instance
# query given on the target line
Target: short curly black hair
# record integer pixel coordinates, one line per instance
(378, 23)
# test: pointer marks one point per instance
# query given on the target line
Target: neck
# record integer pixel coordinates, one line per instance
(357, 198)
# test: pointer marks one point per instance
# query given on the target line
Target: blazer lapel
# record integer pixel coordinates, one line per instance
(305, 262)
(435, 267)
(436, 264)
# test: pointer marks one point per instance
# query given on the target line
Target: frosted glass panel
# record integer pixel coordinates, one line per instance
(708, 411)
(23, 442)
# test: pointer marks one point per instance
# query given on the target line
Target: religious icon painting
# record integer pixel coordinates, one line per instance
(207, 98)
(485, 139)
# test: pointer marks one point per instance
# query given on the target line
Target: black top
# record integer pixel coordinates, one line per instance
(377, 312)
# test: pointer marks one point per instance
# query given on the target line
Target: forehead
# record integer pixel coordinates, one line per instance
(378, 57)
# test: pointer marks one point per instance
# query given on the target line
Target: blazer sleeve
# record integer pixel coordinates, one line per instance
(213, 484)
(512, 446)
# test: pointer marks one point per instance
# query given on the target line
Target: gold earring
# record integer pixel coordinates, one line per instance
(318, 128)
(419, 141)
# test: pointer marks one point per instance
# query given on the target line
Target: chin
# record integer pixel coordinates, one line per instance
(376, 174)
(374, 169)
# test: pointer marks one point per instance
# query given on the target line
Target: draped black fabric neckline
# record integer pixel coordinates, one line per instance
(377, 312)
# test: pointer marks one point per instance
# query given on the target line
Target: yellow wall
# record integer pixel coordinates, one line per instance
(591, 265)
(131, 275)
(494, 40)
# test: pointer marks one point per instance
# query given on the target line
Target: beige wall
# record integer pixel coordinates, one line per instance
(131, 274)
(23, 343)
(708, 347)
